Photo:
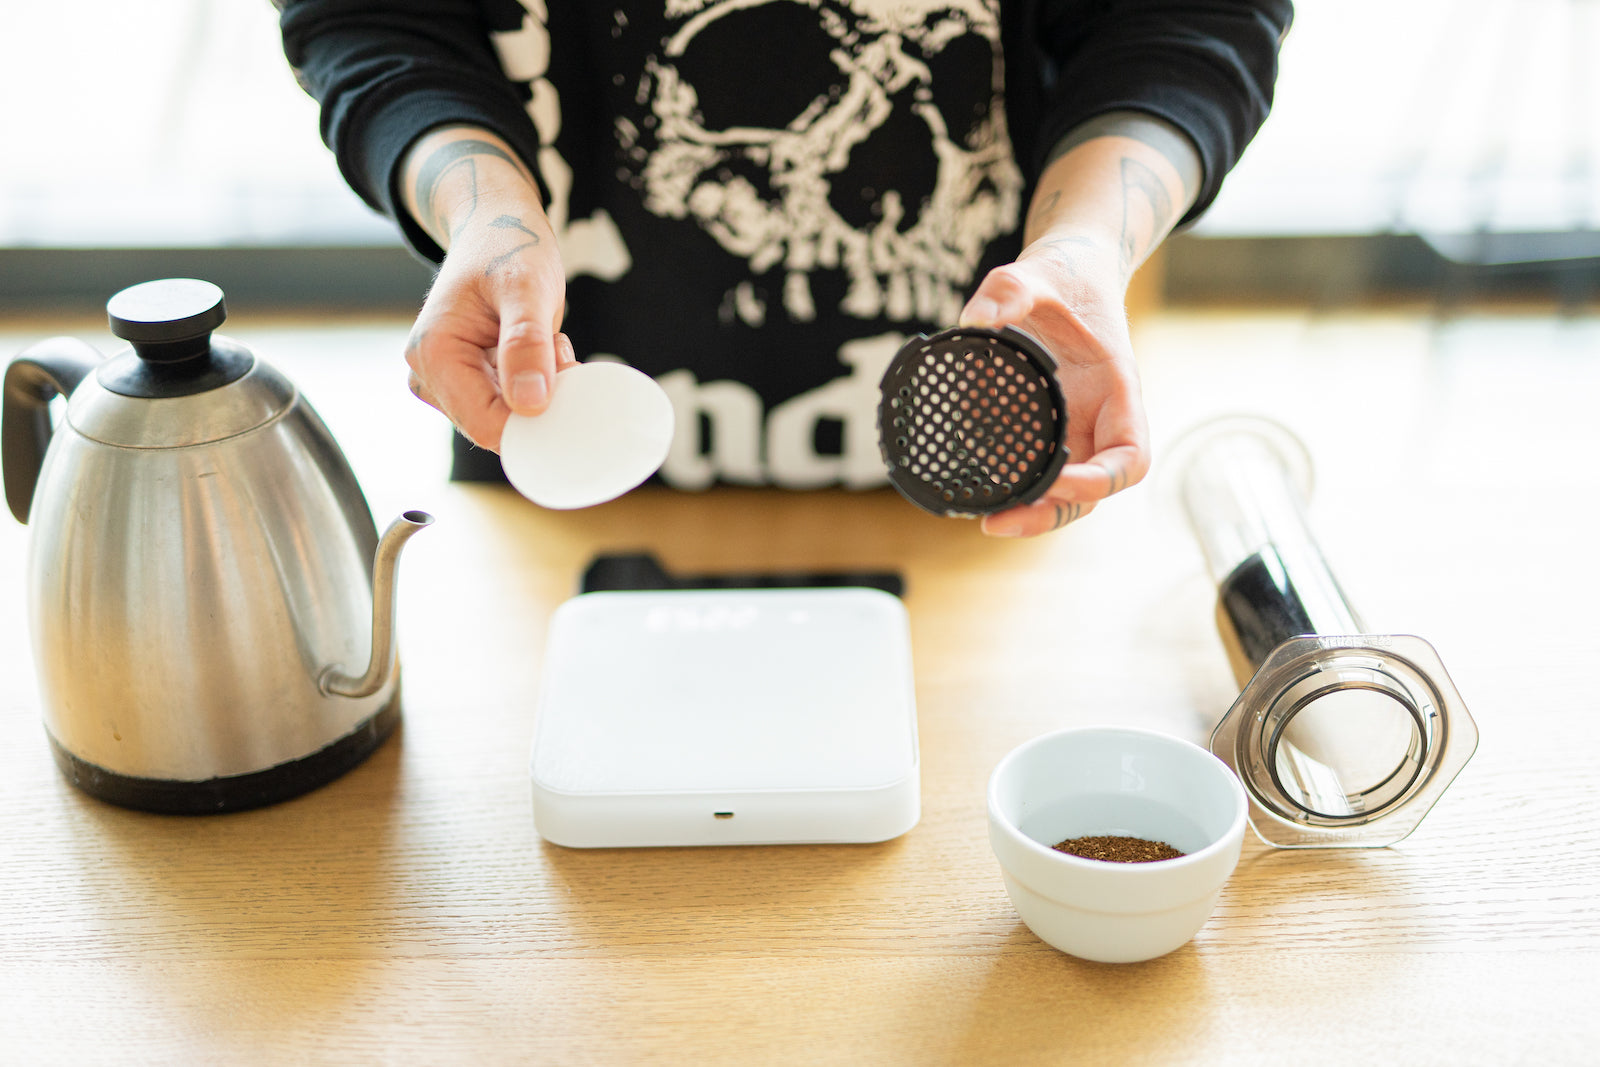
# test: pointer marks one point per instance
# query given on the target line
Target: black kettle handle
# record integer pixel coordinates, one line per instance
(55, 365)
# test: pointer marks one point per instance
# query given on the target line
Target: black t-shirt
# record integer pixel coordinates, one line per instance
(758, 201)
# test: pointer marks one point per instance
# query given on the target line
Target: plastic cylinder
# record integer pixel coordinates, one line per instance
(1340, 736)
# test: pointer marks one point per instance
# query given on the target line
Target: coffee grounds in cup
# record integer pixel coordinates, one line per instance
(1118, 849)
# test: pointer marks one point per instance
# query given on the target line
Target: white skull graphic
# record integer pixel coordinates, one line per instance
(785, 176)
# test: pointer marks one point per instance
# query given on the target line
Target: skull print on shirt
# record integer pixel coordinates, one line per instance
(756, 201)
(792, 179)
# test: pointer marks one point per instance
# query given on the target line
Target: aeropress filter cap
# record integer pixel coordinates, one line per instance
(972, 421)
(1341, 737)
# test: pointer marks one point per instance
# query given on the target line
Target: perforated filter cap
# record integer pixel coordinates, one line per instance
(972, 420)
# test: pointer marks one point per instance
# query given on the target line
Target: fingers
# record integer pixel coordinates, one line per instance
(460, 382)
(1080, 486)
(565, 356)
(1030, 520)
(528, 357)
(1074, 493)
(1121, 444)
(1003, 297)
(457, 378)
(1108, 472)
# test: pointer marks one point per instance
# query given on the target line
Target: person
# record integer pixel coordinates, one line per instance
(757, 202)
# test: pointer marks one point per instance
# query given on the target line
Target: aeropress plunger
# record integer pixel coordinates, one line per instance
(1341, 737)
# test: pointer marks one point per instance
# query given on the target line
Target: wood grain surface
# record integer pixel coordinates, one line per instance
(409, 912)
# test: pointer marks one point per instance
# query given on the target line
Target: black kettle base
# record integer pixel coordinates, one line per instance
(239, 792)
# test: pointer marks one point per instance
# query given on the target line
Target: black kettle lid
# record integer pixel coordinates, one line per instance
(169, 323)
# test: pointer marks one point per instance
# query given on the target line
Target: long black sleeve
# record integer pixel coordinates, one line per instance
(387, 72)
(1206, 67)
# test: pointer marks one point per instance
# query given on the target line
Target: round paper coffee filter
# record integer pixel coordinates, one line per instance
(606, 430)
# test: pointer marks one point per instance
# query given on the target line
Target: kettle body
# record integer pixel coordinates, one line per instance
(205, 582)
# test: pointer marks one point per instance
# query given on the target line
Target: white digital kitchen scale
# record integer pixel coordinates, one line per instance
(726, 717)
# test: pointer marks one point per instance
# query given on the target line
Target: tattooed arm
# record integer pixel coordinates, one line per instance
(1112, 190)
(488, 340)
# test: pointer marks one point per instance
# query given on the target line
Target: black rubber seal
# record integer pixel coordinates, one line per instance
(239, 792)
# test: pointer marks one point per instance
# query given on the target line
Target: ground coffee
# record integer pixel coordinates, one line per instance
(1118, 849)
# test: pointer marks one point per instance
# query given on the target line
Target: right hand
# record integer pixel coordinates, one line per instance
(488, 340)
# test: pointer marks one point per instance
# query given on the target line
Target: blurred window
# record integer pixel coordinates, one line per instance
(1473, 124)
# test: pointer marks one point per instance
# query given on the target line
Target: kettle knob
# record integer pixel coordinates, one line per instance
(169, 322)
(153, 316)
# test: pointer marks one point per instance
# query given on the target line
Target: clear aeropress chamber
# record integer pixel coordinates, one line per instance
(1341, 737)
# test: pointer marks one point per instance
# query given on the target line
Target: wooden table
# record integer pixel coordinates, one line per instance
(410, 913)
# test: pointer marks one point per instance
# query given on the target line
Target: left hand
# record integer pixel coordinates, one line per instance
(1069, 293)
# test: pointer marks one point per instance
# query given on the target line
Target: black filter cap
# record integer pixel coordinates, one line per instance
(972, 420)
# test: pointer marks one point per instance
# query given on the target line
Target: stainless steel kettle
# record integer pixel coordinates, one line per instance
(210, 604)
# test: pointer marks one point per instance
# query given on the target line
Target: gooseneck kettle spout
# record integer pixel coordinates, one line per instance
(380, 666)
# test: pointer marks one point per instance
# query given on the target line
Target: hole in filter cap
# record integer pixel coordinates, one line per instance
(977, 375)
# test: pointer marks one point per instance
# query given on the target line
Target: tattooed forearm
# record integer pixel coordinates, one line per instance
(1112, 178)
(451, 160)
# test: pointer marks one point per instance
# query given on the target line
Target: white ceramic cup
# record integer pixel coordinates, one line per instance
(1106, 780)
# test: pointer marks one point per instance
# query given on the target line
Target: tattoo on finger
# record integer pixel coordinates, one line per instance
(1116, 479)
(1066, 513)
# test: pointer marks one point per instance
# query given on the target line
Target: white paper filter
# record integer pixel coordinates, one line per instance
(608, 428)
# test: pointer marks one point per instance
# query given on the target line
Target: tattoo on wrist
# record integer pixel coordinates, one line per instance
(510, 222)
(1139, 181)
(454, 158)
